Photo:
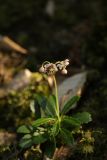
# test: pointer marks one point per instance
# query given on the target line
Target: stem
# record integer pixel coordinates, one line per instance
(56, 95)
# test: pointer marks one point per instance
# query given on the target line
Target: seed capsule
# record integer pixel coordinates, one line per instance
(64, 71)
(42, 70)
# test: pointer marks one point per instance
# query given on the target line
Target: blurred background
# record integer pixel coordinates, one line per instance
(57, 29)
(32, 31)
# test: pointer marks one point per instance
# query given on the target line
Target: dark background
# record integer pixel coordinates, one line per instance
(75, 29)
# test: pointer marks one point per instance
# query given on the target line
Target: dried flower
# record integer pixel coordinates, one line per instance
(64, 71)
(61, 65)
(42, 70)
(66, 62)
(51, 68)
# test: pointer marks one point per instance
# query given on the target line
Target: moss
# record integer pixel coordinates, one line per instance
(15, 108)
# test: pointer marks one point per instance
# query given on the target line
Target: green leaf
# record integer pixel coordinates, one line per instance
(50, 148)
(83, 117)
(55, 129)
(40, 105)
(42, 100)
(47, 105)
(23, 129)
(69, 104)
(68, 121)
(27, 136)
(32, 106)
(25, 143)
(67, 136)
(51, 106)
(40, 138)
(42, 121)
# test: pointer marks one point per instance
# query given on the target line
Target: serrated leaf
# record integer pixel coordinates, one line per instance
(40, 138)
(68, 121)
(23, 129)
(42, 121)
(42, 100)
(67, 136)
(55, 129)
(50, 149)
(47, 105)
(25, 143)
(69, 105)
(27, 136)
(51, 106)
(83, 117)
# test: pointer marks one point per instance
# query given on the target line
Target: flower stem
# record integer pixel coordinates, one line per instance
(56, 95)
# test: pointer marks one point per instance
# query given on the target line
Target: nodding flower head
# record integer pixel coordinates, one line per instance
(61, 65)
(64, 71)
(52, 68)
